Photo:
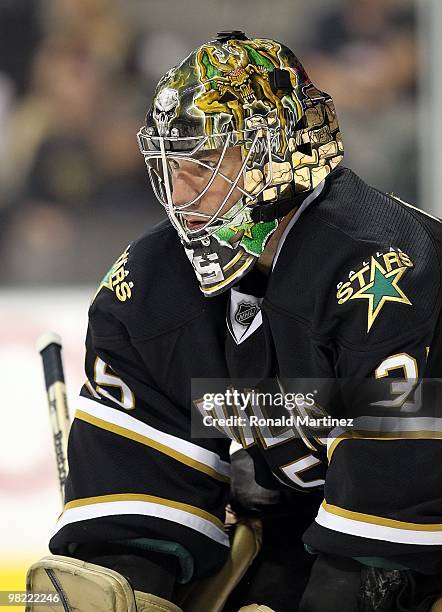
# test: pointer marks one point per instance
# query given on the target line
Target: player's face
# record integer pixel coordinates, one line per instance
(189, 179)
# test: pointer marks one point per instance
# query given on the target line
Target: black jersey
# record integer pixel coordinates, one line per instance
(355, 294)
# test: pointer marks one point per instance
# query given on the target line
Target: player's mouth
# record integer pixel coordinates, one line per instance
(195, 224)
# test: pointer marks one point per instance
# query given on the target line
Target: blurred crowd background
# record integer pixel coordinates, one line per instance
(76, 77)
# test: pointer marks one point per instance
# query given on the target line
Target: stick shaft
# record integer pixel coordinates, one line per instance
(50, 350)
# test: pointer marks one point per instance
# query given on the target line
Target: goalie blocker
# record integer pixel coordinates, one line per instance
(84, 586)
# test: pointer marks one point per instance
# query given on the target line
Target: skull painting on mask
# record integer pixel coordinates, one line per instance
(165, 109)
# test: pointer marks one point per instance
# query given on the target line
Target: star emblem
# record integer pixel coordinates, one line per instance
(246, 226)
(383, 287)
(106, 282)
(255, 235)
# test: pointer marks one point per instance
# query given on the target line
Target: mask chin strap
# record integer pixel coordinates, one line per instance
(263, 213)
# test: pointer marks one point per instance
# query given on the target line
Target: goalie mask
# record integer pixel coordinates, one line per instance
(236, 135)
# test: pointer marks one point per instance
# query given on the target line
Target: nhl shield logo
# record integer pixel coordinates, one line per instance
(245, 313)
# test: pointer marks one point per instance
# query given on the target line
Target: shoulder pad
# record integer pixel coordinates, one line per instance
(151, 287)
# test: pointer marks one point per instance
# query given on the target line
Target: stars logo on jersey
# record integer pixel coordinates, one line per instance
(115, 279)
(377, 281)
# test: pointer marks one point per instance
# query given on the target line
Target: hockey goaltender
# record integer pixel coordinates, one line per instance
(276, 263)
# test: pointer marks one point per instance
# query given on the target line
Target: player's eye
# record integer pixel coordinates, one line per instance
(209, 162)
(198, 169)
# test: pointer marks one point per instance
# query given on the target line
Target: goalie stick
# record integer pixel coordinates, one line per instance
(49, 346)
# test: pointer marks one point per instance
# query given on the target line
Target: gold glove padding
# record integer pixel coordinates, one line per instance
(85, 586)
(437, 606)
(91, 587)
